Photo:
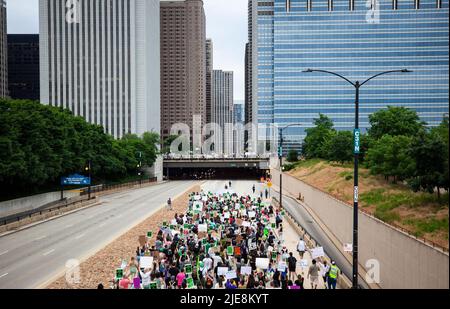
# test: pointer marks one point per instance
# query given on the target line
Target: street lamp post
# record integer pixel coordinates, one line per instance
(280, 158)
(357, 86)
(88, 168)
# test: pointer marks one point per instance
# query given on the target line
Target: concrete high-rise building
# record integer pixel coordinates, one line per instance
(238, 112)
(345, 37)
(183, 64)
(23, 66)
(100, 59)
(3, 51)
(209, 69)
(222, 109)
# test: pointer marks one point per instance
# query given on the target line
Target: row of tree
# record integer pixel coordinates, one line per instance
(39, 144)
(398, 146)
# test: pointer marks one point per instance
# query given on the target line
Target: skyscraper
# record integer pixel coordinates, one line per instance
(3, 51)
(344, 36)
(23, 66)
(238, 112)
(222, 109)
(183, 64)
(100, 59)
(209, 69)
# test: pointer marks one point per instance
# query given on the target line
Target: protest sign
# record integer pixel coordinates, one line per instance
(230, 250)
(203, 228)
(230, 275)
(237, 251)
(190, 283)
(146, 262)
(226, 215)
(303, 263)
(237, 206)
(153, 285)
(221, 271)
(317, 252)
(204, 198)
(262, 263)
(188, 269)
(149, 234)
(274, 255)
(197, 197)
(282, 266)
(348, 247)
(251, 214)
(245, 224)
(198, 207)
(119, 273)
(246, 270)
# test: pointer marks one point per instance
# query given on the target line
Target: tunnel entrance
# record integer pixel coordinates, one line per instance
(214, 173)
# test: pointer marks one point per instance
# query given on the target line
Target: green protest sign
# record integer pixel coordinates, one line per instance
(274, 225)
(204, 241)
(266, 232)
(190, 283)
(187, 226)
(188, 268)
(230, 250)
(149, 234)
(153, 285)
(119, 273)
(172, 227)
(164, 224)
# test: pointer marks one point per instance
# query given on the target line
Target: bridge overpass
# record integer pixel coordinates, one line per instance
(215, 168)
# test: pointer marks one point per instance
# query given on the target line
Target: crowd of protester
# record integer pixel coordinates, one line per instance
(223, 241)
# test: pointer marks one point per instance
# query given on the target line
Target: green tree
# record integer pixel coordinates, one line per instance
(394, 121)
(316, 138)
(430, 151)
(390, 157)
(292, 155)
(339, 148)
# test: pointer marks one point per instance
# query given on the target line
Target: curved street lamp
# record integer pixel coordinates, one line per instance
(280, 157)
(357, 86)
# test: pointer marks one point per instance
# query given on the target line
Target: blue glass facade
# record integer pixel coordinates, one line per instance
(294, 36)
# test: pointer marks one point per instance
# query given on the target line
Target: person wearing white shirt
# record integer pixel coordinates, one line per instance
(301, 247)
(324, 269)
(146, 279)
(208, 262)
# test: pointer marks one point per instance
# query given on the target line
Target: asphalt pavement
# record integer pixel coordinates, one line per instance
(31, 257)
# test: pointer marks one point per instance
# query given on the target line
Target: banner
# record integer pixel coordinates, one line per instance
(317, 252)
(146, 262)
(262, 263)
(246, 270)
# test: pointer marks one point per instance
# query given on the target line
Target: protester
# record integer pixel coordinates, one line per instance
(292, 264)
(333, 275)
(313, 274)
(301, 247)
(324, 269)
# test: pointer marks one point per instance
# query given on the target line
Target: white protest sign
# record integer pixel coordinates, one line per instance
(226, 215)
(204, 198)
(146, 262)
(221, 271)
(198, 206)
(251, 214)
(230, 275)
(246, 270)
(197, 197)
(203, 228)
(237, 206)
(303, 263)
(246, 224)
(317, 252)
(282, 266)
(262, 263)
(348, 247)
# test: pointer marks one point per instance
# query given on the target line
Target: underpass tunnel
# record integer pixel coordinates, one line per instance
(213, 173)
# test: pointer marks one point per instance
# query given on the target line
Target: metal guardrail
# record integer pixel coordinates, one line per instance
(57, 205)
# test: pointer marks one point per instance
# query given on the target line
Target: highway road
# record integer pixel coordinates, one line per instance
(312, 228)
(33, 256)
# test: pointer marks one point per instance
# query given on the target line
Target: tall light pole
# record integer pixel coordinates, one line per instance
(280, 157)
(356, 133)
(88, 169)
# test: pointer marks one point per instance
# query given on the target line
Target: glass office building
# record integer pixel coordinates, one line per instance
(349, 38)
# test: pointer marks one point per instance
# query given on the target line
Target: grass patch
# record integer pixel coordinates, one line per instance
(308, 163)
(387, 216)
(347, 175)
(344, 165)
(430, 225)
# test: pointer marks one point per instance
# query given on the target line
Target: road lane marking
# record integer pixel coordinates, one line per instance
(40, 238)
(4, 275)
(49, 252)
(4, 252)
(79, 236)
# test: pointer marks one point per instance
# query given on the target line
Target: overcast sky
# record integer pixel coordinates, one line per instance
(226, 24)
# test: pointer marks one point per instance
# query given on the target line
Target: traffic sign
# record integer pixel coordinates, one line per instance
(75, 179)
(357, 139)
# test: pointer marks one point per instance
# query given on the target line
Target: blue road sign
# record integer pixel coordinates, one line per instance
(75, 179)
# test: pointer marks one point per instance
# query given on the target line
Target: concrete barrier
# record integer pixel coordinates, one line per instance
(12, 207)
(404, 261)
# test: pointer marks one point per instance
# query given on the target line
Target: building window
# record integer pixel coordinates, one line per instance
(439, 4)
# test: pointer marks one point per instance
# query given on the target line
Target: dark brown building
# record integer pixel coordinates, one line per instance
(183, 63)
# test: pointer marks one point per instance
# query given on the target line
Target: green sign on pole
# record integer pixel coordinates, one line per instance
(188, 269)
(190, 283)
(119, 273)
(357, 139)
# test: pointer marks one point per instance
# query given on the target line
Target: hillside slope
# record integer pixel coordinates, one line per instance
(421, 214)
